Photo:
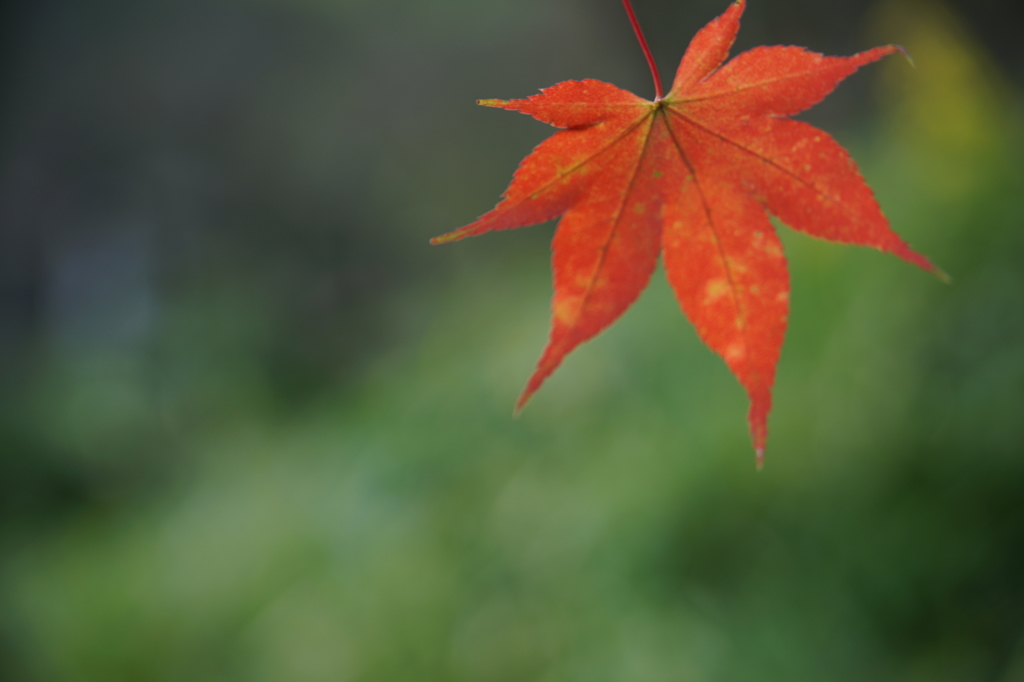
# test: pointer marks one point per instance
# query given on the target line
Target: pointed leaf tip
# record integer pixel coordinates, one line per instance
(444, 238)
(759, 455)
(906, 53)
(521, 403)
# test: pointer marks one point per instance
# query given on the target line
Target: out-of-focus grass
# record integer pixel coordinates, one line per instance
(409, 528)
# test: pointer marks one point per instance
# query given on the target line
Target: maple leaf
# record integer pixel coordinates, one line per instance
(691, 175)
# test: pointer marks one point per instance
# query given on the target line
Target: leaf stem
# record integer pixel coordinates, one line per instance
(647, 51)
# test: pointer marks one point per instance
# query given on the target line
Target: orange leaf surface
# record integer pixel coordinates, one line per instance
(691, 176)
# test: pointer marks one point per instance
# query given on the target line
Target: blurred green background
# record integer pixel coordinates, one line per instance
(252, 427)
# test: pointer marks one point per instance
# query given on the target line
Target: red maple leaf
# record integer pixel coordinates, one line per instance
(692, 175)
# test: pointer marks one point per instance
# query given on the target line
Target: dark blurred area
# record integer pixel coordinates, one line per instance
(253, 427)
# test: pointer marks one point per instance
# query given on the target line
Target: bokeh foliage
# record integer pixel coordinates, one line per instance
(255, 429)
